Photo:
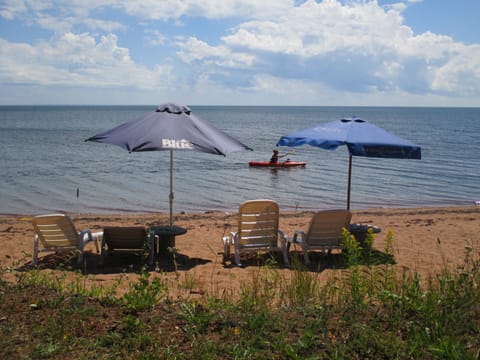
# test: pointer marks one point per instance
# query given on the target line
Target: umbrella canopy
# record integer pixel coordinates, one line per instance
(170, 127)
(361, 138)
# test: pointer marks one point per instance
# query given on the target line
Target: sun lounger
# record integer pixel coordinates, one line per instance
(257, 230)
(56, 232)
(324, 232)
(132, 239)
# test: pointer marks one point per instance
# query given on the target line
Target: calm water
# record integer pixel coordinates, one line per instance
(45, 160)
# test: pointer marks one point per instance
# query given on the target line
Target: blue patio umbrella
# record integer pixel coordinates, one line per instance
(170, 127)
(361, 138)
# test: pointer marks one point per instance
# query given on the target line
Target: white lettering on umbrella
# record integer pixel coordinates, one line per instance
(177, 144)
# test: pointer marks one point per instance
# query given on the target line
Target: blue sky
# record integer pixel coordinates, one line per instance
(240, 52)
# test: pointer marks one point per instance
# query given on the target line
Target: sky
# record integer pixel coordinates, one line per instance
(240, 52)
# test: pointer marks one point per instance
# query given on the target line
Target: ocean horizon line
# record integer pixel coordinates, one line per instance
(244, 106)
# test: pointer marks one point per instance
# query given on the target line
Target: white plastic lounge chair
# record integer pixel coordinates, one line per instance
(257, 230)
(324, 232)
(126, 239)
(56, 232)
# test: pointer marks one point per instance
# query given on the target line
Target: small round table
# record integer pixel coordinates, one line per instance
(166, 237)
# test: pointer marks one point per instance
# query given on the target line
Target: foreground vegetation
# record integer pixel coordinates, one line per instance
(369, 310)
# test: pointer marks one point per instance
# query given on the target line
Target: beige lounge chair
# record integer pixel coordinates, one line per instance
(257, 230)
(324, 232)
(56, 232)
(129, 239)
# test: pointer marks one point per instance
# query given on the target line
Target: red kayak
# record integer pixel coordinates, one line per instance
(277, 164)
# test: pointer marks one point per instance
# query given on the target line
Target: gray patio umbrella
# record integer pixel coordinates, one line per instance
(361, 138)
(170, 127)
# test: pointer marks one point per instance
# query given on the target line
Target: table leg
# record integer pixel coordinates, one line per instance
(165, 242)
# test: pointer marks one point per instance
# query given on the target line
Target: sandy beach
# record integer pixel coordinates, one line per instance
(425, 240)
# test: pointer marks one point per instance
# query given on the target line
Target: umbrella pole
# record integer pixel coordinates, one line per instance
(349, 180)
(170, 197)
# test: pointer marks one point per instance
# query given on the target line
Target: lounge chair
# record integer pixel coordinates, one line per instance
(56, 232)
(324, 232)
(130, 239)
(257, 230)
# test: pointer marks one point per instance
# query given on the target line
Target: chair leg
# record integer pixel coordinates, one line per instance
(284, 249)
(102, 251)
(285, 256)
(237, 256)
(80, 259)
(307, 260)
(35, 251)
(305, 254)
(226, 248)
(151, 254)
(96, 237)
(81, 254)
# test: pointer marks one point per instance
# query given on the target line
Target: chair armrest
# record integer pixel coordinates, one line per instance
(97, 236)
(233, 236)
(87, 235)
(227, 241)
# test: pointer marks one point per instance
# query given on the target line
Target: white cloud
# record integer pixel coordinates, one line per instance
(333, 42)
(103, 25)
(154, 38)
(154, 9)
(78, 60)
(55, 24)
(314, 49)
(10, 8)
(211, 9)
(194, 50)
(60, 15)
(314, 29)
(459, 74)
(277, 86)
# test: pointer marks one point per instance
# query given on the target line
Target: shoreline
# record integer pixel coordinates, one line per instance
(425, 240)
(284, 209)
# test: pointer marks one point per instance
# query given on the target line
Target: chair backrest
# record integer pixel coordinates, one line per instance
(125, 238)
(56, 230)
(325, 229)
(258, 223)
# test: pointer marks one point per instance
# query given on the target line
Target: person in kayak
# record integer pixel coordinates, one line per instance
(276, 156)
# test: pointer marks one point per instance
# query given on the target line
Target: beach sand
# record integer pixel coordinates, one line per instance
(425, 240)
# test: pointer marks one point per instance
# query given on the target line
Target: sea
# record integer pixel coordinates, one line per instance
(47, 166)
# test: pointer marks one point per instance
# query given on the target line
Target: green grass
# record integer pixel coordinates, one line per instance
(367, 310)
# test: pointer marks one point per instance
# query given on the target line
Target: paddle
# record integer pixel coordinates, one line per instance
(291, 152)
